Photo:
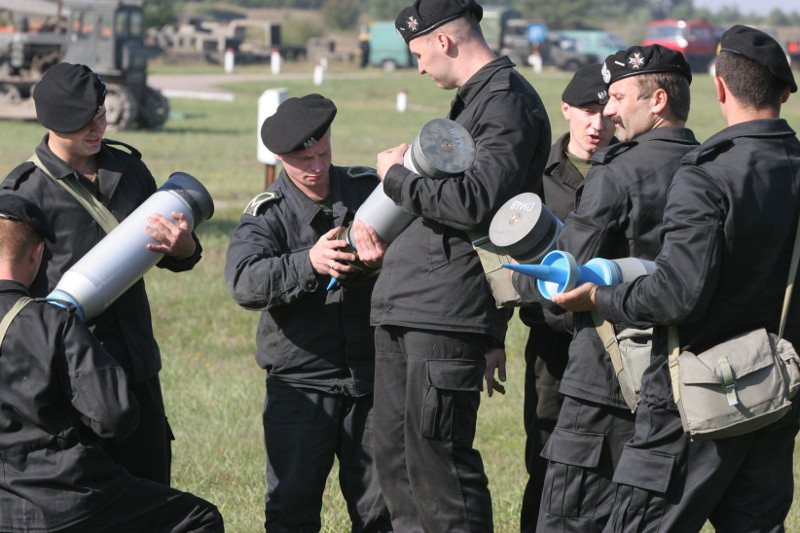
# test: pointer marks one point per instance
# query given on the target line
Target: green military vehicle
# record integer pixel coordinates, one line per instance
(106, 35)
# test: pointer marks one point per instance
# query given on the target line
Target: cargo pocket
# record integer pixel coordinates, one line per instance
(645, 469)
(451, 399)
(572, 485)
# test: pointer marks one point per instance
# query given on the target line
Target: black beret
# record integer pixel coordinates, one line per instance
(67, 97)
(586, 87)
(760, 47)
(644, 60)
(298, 123)
(16, 207)
(424, 15)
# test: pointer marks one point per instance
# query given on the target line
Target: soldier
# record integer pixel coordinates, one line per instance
(59, 391)
(619, 215)
(319, 378)
(438, 323)
(85, 185)
(729, 229)
(582, 104)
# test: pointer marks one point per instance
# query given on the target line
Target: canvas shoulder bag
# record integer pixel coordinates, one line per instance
(629, 351)
(740, 385)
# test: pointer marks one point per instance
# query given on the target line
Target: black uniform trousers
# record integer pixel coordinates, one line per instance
(153, 507)
(545, 359)
(147, 452)
(304, 429)
(427, 388)
(582, 454)
(670, 483)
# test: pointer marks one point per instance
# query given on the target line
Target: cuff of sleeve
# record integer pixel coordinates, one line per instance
(181, 265)
(602, 297)
(393, 182)
(307, 277)
(525, 287)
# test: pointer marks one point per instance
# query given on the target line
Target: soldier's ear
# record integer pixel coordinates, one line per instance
(722, 90)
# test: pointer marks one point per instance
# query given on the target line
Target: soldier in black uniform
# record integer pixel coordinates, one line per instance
(59, 391)
(582, 104)
(619, 215)
(86, 184)
(729, 230)
(316, 344)
(438, 323)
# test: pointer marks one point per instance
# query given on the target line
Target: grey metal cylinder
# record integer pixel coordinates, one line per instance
(442, 149)
(524, 228)
(122, 258)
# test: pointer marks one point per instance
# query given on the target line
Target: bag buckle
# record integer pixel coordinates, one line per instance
(729, 382)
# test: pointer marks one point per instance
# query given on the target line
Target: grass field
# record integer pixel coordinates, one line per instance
(214, 390)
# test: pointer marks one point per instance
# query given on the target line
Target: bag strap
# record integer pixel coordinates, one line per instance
(608, 336)
(674, 347)
(790, 282)
(11, 315)
(93, 206)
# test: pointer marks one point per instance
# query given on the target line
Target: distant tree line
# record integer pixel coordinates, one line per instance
(344, 14)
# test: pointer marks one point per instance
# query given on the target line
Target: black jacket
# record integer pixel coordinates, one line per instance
(307, 336)
(728, 234)
(56, 382)
(431, 276)
(619, 216)
(124, 182)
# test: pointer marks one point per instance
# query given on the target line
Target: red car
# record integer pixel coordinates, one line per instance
(695, 39)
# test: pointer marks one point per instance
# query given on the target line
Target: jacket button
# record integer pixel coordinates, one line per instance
(311, 285)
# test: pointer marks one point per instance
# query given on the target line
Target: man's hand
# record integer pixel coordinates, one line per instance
(390, 157)
(174, 240)
(495, 359)
(327, 259)
(369, 246)
(579, 299)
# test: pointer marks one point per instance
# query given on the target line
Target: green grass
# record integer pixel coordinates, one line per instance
(213, 388)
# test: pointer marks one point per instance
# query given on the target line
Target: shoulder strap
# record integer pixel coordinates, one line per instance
(11, 315)
(790, 282)
(608, 336)
(93, 206)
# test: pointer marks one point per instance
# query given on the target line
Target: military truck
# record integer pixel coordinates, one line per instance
(106, 35)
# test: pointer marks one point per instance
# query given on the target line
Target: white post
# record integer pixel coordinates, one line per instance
(268, 103)
(275, 62)
(535, 60)
(229, 61)
(319, 73)
(402, 101)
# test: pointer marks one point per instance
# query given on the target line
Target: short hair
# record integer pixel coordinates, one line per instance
(749, 82)
(465, 27)
(16, 239)
(674, 84)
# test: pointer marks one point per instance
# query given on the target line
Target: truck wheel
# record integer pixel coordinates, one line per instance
(121, 108)
(154, 109)
(389, 66)
(10, 94)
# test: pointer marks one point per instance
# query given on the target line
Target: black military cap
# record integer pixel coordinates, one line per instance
(298, 123)
(644, 60)
(68, 96)
(424, 15)
(760, 47)
(15, 207)
(586, 87)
